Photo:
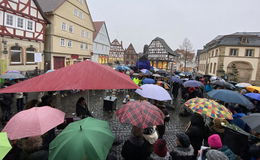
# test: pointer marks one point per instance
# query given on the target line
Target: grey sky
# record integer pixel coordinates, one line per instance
(140, 21)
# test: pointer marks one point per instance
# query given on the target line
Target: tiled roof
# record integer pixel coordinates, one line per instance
(97, 25)
(167, 48)
(50, 5)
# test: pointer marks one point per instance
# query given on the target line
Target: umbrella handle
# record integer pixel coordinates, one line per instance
(188, 126)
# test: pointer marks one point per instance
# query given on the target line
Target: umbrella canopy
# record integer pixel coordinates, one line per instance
(193, 83)
(148, 81)
(50, 71)
(255, 96)
(209, 108)
(124, 68)
(33, 122)
(253, 89)
(87, 139)
(141, 114)
(156, 75)
(229, 96)
(12, 75)
(161, 71)
(5, 146)
(176, 79)
(243, 85)
(13, 71)
(85, 75)
(223, 83)
(146, 72)
(155, 92)
(253, 120)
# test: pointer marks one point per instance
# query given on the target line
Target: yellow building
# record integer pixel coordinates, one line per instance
(235, 56)
(70, 36)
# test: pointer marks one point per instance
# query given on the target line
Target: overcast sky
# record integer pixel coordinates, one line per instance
(140, 21)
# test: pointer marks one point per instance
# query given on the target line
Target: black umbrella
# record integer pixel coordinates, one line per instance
(253, 120)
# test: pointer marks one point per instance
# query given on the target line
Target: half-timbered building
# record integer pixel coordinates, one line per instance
(130, 55)
(161, 55)
(116, 53)
(22, 35)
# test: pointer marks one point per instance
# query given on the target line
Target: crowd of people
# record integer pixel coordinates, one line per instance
(204, 137)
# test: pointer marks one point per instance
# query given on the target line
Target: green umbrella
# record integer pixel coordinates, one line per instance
(5, 146)
(87, 139)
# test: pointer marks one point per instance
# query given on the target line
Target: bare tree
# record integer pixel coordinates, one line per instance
(187, 48)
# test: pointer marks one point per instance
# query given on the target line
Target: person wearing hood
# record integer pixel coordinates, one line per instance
(216, 155)
(136, 147)
(196, 132)
(160, 151)
(184, 149)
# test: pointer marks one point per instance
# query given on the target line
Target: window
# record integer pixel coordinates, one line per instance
(16, 55)
(216, 53)
(83, 46)
(212, 55)
(30, 25)
(69, 43)
(30, 55)
(20, 23)
(63, 26)
(9, 20)
(76, 12)
(71, 29)
(214, 69)
(249, 53)
(80, 15)
(62, 42)
(210, 70)
(233, 52)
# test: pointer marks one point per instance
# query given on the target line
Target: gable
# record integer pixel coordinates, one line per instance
(102, 36)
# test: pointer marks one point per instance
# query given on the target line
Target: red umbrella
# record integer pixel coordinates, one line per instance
(86, 75)
(141, 114)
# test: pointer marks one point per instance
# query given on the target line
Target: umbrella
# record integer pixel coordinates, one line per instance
(12, 75)
(255, 96)
(5, 146)
(223, 83)
(148, 81)
(156, 75)
(87, 139)
(229, 96)
(124, 68)
(141, 114)
(155, 92)
(33, 122)
(13, 71)
(209, 108)
(243, 85)
(253, 89)
(193, 83)
(146, 72)
(85, 75)
(253, 120)
(176, 80)
(161, 71)
(50, 71)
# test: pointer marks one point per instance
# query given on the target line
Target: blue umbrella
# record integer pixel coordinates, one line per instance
(255, 96)
(176, 79)
(124, 68)
(148, 81)
(193, 83)
(146, 72)
(229, 96)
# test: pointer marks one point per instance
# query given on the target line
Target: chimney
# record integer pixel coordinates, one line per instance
(121, 43)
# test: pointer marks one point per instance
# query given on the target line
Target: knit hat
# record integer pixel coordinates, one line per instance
(183, 139)
(216, 155)
(214, 141)
(160, 148)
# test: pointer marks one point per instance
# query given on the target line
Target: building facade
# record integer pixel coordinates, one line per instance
(130, 56)
(234, 56)
(70, 36)
(116, 53)
(22, 35)
(161, 55)
(101, 43)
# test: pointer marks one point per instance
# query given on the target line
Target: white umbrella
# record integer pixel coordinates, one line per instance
(155, 92)
(243, 85)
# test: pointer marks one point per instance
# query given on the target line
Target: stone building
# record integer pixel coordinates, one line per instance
(22, 35)
(161, 55)
(69, 38)
(227, 54)
(116, 53)
(130, 56)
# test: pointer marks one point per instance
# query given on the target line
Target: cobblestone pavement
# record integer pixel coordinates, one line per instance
(122, 132)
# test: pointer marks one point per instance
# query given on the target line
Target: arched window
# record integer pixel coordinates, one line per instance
(16, 55)
(30, 55)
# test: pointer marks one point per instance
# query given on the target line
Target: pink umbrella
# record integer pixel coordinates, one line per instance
(33, 122)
